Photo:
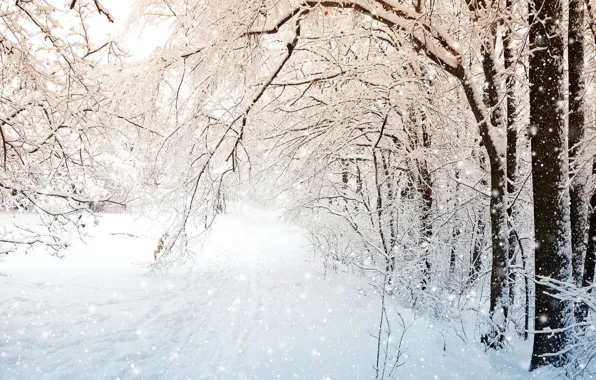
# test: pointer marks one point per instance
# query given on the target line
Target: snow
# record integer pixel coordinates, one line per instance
(256, 305)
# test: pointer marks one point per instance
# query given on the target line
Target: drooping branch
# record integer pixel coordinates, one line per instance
(290, 49)
(428, 36)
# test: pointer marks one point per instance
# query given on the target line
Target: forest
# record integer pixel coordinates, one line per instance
(426, 169)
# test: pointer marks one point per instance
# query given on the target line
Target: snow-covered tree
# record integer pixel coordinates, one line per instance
(53, 141)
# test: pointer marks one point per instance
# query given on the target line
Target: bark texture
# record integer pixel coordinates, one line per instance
(550, 173)
(577, 192)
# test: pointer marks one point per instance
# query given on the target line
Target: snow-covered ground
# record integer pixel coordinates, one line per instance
(256, 306)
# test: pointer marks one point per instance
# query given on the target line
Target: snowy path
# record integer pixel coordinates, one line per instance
(255, 307)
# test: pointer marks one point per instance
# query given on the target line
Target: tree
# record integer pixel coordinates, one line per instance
(53, 145)
(552, 229)
(319, 81)
(431, 38)
(579, 171)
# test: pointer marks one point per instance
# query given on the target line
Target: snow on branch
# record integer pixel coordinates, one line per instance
(100, 8)
(570, 292)
(58, 194)
(290, 46)
(430, 37)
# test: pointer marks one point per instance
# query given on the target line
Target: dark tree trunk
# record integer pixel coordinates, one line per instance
(456, 230)
(524, 258)
(479, 233)
(391, 202)
(426, 192)
(476, 265)
(499, 295)
(389, 258)
(499, 298)
(510, 66)
(453, 256)
(577, 192)
(550, 166)
(420, 178)
(499, 289)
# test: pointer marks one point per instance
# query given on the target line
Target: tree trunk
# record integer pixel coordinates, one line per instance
(476, 266)
(499, 289)
(524, 258)
(499, 297)
(550, 165)
(577, 192)
(426, 192)
(420, 177)
(456, 230)
(510, 67)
